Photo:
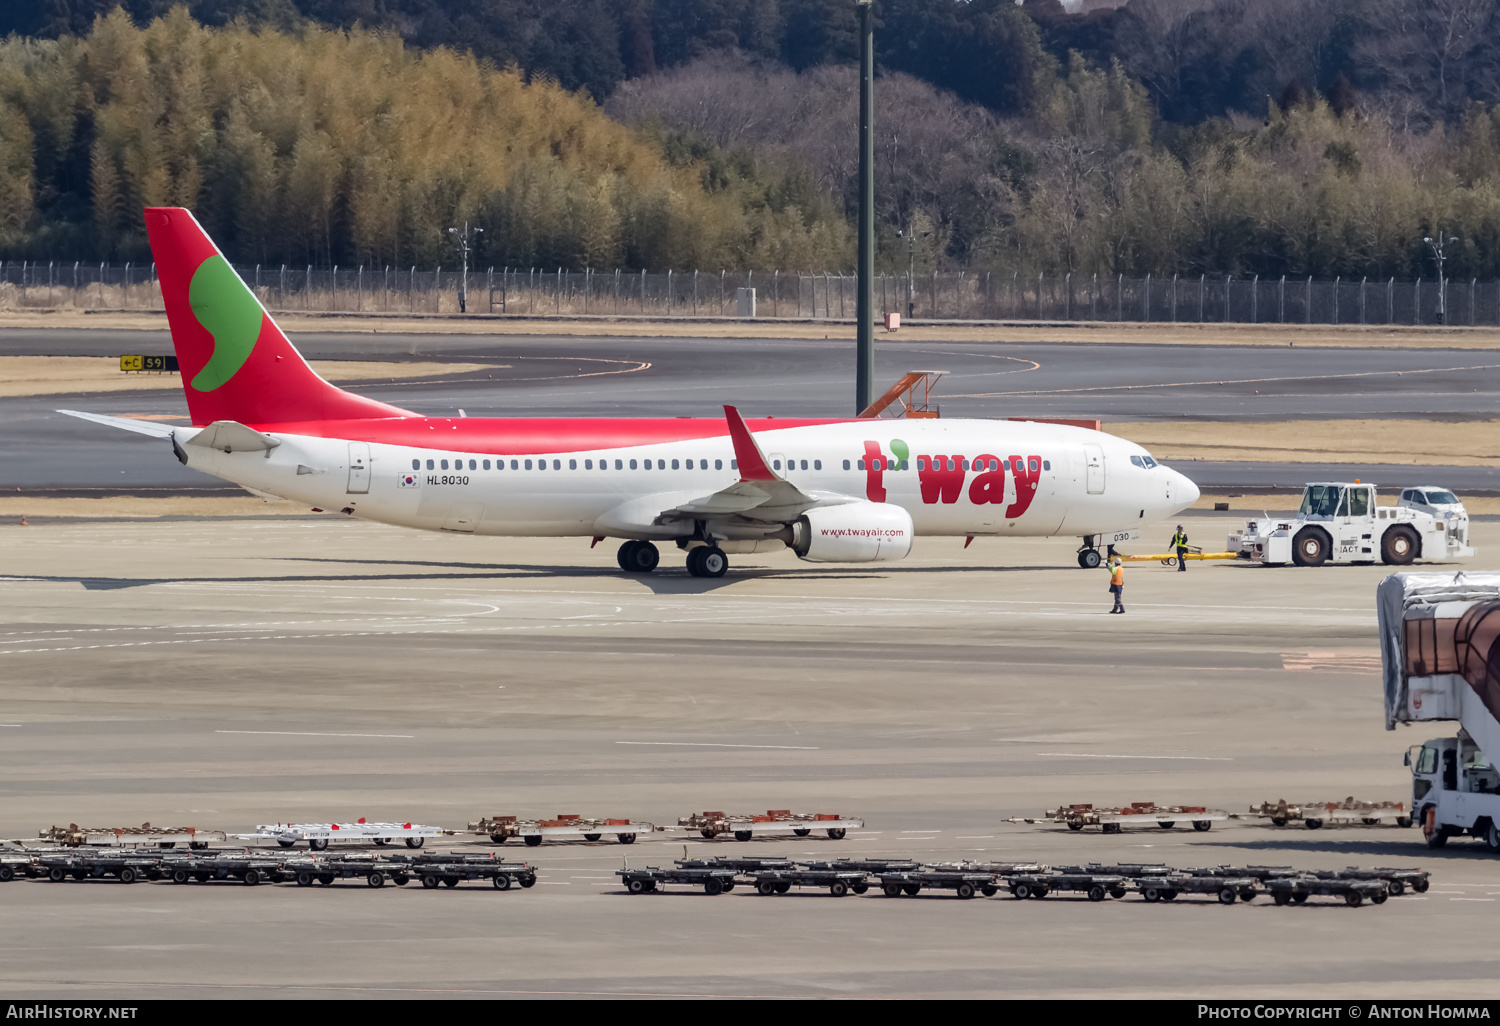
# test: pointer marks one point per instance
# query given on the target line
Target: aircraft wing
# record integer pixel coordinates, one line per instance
(760, 494)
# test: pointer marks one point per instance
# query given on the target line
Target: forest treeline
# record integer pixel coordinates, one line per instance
(1323, 137)
(327, 147)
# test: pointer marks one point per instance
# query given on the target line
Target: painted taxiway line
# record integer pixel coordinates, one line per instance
(712, 744)
(1185, 758)
(307, 733)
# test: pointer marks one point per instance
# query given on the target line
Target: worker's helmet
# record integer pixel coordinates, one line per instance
(1179, 527)
(1116, 561)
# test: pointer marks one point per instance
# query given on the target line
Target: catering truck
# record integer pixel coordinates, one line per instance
(1440, 655)
(1340, 522)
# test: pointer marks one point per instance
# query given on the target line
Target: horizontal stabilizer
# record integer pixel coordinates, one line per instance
(140, 427)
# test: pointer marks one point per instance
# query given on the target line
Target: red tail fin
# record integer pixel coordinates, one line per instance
(236, 364)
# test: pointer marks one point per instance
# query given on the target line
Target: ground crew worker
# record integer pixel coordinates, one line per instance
(1180, 543)
(1117, 584)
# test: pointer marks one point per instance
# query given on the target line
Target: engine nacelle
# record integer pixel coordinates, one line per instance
(857, 532)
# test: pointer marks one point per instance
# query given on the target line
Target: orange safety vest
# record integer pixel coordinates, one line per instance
(1118, 577)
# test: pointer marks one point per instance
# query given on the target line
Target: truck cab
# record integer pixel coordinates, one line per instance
(1455, 791)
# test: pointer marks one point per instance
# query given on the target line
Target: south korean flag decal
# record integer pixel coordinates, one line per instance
(408, 479)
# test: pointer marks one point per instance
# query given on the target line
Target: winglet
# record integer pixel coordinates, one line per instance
(752, 462)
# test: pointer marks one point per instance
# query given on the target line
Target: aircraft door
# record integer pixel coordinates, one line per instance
(1093, 458)
(359, 468)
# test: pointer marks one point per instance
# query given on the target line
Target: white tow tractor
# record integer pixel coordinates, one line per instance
(1339, 521)
(1440, 652)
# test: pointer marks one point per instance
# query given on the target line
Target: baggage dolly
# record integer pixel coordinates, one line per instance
(127, 867)
(1314, 815)
(319, 835)
(375, 870)
(242, 866)
(1396, 880)
(748, 864)
(876, 866)
(838, 881)
(1112, 820)
(1097, 886)
(645, 881)
(453, 868)
(775, 822)
(1286, 890)
(1228, 889)
(75, 836)
(566, 827)
(913, 881)
(12, 866)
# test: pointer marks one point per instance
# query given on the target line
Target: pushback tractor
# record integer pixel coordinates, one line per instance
(1340, 522)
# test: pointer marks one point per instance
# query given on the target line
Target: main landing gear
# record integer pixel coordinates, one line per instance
(641, 557)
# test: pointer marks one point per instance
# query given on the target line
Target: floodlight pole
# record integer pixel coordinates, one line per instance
(461, 239)
(864, 309)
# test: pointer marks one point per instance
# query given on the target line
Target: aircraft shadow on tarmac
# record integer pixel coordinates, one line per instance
(1329, 845)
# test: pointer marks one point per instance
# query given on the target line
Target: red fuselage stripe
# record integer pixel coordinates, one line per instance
(505, 436)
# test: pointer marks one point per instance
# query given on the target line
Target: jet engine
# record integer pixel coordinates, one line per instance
(856, 532)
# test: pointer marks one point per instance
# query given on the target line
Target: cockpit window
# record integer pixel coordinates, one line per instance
(1321, 500)
(1149, 462)
(1442, 499)
(1138, 461)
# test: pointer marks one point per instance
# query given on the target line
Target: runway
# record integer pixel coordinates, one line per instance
(225, 674)
(566, 376)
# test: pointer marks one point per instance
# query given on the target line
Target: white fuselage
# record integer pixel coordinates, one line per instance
(1070, 481)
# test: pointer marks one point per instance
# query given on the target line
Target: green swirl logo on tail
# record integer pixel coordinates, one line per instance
(231, 315)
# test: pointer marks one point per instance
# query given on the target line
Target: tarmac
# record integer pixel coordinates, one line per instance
(226, 673)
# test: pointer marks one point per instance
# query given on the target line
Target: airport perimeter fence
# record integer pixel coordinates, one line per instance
(941, 296)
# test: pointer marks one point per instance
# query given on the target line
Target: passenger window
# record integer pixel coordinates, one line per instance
(514, 465)
(921, 463)
(429, 465)
(688, 464)
(444, 464)
(846, 464)
(473, 464)
(620, 464)
(718, 464)
(632, 464)
(860, 464)
(775, 464)
(416, 464)
(528, 464)
(1046, 464)
(674, 464)
(588, 464)
(1033, 466)
(817, 464)
(557, 464)
(903, 465)
(804, 464)
(572, 464)
(964, 464)
(734, 464)
(486, 464)
(1015, 464)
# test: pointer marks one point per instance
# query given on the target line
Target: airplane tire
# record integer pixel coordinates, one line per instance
(639, 557)
(1090, 559)
(1398, 546)
(712, 562)
(1311, 546)
(1492, 837)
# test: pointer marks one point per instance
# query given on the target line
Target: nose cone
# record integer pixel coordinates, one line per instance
(1184, 492)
